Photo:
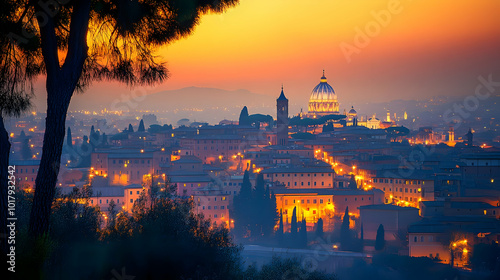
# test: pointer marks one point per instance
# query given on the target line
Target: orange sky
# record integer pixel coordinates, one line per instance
(260, 44)
(428, 48)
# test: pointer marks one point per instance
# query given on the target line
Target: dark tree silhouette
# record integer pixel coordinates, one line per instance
(130, 128)
(380, 238)
(14, 100)
(244, 120)
(319, 228)
(37, 37)
(141, 126)
(293, 229)
(303, 233)
(241, 205)
(352, 183)
(280, 231)
(69, 138)
(345, 235)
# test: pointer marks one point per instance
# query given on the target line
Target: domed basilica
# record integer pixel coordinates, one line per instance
(323, 100)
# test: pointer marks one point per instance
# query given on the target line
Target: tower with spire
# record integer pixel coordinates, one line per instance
(282, 119)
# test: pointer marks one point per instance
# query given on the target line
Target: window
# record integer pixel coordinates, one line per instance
(209, 207)
(375, 180)
(215, 207)
(302, 201)
(321, 201)
(415, 239)
(215, 215)
(222, 207)
(421, 238)
(308, 201)
(137, 192)
(314, 200)
(131, 200)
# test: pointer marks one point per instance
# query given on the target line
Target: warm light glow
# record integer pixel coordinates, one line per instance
(142, 151)
(465, 251)
(12, 135)
(162, 149)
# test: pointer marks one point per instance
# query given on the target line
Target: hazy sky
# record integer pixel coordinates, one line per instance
(425, 48)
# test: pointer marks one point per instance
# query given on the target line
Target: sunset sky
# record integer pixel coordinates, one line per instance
(429, 48)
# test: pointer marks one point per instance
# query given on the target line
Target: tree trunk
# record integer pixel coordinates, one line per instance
(4, 163)
(61, 83)
(46, 179)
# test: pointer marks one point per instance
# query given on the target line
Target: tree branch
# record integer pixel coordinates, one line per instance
(48, 40)
(77, 42)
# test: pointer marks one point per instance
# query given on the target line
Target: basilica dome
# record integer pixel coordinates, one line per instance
(323, 100)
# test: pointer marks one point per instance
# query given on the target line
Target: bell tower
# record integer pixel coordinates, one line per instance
(282, 119)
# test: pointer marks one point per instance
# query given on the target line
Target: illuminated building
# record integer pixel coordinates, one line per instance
(323, 100)
(26, 171)
(128, 166)
(325, 203)
(209, 147)
(187, 175)
(408, 191)
(301, 177)
(214, 206)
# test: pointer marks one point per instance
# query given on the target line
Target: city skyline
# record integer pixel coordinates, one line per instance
(415, 50)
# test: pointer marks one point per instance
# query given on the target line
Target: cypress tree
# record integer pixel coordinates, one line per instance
(345, 235)
(141, 126)
(293, 229)
(130, 128)
(280, 230)
(69, 138)
(319, 228)
(241, 207)
(303, 233)
(380, 239)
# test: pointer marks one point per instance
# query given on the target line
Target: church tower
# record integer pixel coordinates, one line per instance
(282, 119)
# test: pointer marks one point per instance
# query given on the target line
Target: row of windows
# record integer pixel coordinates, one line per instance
(26, 179)
(21, 170)
(217, 148)
(128, 161)
(308, 201)
(301, 175)
(406, 190)
(398, 181)
(362, 198)
(221, 141)
(107, 201)
(308, 183)
(215, 207)
(429, 238)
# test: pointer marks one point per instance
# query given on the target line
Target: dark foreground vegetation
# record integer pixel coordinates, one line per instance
(160, 239)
